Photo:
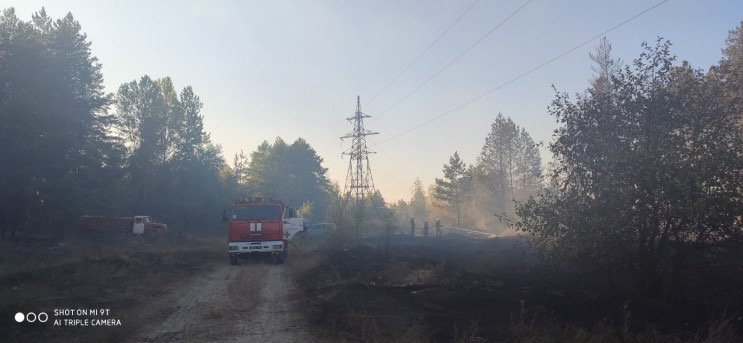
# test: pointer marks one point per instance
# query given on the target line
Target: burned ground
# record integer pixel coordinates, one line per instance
(459, 289)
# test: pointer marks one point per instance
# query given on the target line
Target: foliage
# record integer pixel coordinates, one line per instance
(418, 207)
(292, 173)
(508, 169)
(237, 176)
(418, 202)
(730, 71)
(648, 173)
(55, 151)
(173, 167)
(455, 188)
(401, 211)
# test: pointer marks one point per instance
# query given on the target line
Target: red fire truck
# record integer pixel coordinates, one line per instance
(255, 227)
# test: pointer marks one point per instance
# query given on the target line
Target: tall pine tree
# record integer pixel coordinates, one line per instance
(455, 188)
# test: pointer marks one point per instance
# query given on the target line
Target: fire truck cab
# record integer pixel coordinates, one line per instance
(255, 227)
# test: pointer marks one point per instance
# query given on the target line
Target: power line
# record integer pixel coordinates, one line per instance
(398, 164)
(522, 75)
(422, 53)
(400, 148)
(398, 181)
(455, 59)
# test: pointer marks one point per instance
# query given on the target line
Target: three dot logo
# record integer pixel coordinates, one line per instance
(31, 317)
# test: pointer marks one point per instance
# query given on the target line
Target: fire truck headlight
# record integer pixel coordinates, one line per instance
(233, 247)
(277, 246)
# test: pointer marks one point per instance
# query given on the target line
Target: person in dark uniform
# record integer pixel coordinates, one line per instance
(438, 227)
(425, 228)
(412, 227)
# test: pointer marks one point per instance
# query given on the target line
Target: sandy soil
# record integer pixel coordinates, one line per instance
(245, 303)
(276, 318)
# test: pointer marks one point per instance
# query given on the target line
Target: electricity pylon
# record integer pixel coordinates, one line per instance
(359, 181)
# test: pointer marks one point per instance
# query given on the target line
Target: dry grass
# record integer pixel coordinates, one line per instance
(355, 325)
(360, 295)
(124, 277)
(717, 331)
(304, 258)
(352, 324)
(468, 334)
(215, 314)
(720, 330)
(244, 290)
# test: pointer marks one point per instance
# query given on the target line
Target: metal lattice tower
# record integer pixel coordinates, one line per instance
(359, 181)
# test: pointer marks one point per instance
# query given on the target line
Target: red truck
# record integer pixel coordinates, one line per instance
(255, 227)
(137, 225)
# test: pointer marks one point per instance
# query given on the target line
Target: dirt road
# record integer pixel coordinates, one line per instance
(246, 303)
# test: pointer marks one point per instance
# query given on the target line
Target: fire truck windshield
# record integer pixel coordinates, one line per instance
(256, 213)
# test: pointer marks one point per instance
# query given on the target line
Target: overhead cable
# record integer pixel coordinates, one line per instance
(422, 53)
(522, 75)
(455, 59)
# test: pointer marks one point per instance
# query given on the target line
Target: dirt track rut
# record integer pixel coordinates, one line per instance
(246, 303)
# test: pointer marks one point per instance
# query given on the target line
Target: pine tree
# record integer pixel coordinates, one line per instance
(293, 173)
(53, 141)
(454, 189)
(508, 169)
(605, 66)
(418, 202)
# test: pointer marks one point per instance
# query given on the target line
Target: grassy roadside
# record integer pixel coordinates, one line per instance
(124, 275)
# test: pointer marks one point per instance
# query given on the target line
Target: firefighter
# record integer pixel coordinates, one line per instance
(425, 228)
(438, 227)
(412, 227)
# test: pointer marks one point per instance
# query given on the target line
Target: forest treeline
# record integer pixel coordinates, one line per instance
(646, 185)
(68, 148)
(482, 194)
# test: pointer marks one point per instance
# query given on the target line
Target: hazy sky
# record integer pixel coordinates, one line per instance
(293, 68)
